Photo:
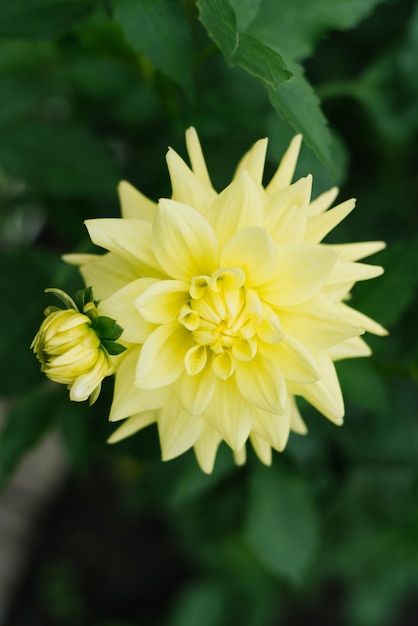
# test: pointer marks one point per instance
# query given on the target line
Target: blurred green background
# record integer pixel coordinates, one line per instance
(93, 91)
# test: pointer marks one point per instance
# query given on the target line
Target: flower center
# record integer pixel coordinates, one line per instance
(227, 320)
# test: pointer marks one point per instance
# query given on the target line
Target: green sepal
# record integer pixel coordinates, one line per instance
(107, 328)
(51, 309)
(113, 347)
(83, 297)
(64, 297)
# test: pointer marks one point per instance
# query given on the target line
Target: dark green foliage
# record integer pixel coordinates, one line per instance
(94, 91)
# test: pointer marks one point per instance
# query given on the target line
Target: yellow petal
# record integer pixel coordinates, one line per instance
(363, 321)
(285, 171)
(187, 187)
(269, 330)
(261, 383)
(85, 385)
(195, 360)
(318, 324)
(129, 239)
(134, 204)
(240, 456)
(323, 202)
(162, 301)
(244, 349)
(206, 447)
(253, 251)
(183, 241)
(197, 159)
(336, 292)
(262, 448)
(177, 430)
(223, 365)
(286, 211)
(302, 269)
(127, 398)
(272, 427)
(320, 225)
(239, 206)
(294, 359)
(351, 348)
(297, 425)
(356, 251)
(121, 307)
(325, 395)
(107, 272)
(79, 259)
(352, 272)
(195, 392)
(229, 413)
(133, 425)
(253, 161)
(162, 356)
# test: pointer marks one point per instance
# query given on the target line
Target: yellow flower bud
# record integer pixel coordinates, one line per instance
(70, 353)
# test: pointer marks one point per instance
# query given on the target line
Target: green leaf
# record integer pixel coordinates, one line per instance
(25, 424)
(298, 105)
(159, 30)
(245, 12)
(295, 101)
(41, 18)
(202, 604)
(245, 51)
(293, 28)
(65, 160)
(281, 524)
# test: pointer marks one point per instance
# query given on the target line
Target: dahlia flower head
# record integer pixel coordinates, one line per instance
(231, 306)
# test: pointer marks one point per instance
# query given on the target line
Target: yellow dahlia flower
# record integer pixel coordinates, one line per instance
(230, 305)
(73, 347)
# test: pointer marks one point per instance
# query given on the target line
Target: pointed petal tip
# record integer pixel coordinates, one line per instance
(337, 419)
(123, 184)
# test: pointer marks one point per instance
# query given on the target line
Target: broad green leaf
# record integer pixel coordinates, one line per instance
(388, 298)
(294, 101)
(293, 28)
(202, 604)
(297, 104)
(60, 159)
(281, 524)
(245, 12)
(159, 30)
(239, 49)
(41, 18)
(25, 424)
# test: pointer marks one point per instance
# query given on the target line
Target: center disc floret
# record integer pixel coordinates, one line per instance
(226, 319)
